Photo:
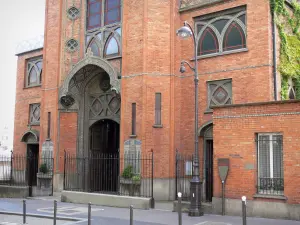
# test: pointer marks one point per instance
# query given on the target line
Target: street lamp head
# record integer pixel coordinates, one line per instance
(184, 32)
(182, 68)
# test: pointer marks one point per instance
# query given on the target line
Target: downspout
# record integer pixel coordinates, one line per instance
(274, 54)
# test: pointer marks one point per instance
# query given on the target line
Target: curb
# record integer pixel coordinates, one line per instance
(42, 216)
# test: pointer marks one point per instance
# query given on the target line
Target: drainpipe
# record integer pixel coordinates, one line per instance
(274, 55)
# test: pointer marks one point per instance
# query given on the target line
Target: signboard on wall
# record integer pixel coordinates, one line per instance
(223, 166)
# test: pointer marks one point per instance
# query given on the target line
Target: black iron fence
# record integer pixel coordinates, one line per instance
(30, 170)
(131, 174)
(184, 174)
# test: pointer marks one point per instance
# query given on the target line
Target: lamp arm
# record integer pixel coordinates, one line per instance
(194, 36)
(185, 62)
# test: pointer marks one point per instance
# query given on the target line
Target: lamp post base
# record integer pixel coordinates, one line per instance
(195, 207)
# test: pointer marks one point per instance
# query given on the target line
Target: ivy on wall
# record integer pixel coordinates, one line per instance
(288, 24)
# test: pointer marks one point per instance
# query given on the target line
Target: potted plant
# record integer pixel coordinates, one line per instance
(44, 176)
(129, 181)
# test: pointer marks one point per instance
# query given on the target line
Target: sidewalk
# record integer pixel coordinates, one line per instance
(119, 216)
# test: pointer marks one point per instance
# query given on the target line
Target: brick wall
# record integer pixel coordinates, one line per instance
(235, 130)
(67, 137)
(24, 97)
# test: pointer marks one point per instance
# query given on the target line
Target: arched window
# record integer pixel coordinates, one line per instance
(234, 38)
(34, 72)
(110, 10)
(208, 42)
(112, 47)
(94, 48)
(221, 32)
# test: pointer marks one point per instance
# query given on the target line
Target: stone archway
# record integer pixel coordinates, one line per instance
(67, 97)
(91, 85)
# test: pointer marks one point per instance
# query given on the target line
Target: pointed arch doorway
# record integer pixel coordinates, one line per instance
(206, 132)
(104, 151)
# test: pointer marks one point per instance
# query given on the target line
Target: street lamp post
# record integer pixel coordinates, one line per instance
(195, 191)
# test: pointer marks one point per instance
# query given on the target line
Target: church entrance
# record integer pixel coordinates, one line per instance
(104, 156)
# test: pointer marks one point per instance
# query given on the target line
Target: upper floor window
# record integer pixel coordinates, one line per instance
(34, 72)
(222, 32)
(34, 114)
(103, 12)
(219, 93)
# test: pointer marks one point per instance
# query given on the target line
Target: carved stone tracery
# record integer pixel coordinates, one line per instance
(81, 71)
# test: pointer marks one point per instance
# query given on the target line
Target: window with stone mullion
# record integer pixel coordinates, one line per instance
(112, 11)
(34, 114)
(94, 14)
(34, 72)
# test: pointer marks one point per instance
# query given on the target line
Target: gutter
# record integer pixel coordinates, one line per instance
(274, 56)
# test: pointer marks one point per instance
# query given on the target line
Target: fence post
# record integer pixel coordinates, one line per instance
(55, 209)
(24, 211)
(179, 209)
(244, 210)
(176, 173)
(131, 215)
(89, 213)
(65, 162)
(11, 167)
(152, 177)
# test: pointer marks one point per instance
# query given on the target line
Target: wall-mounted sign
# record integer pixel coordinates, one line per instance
(223, 165)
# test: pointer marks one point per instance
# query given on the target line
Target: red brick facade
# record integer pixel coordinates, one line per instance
(235, 130)
(149, 64)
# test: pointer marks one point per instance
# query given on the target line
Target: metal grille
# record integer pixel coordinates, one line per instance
(184, 173)
(270, 164)
(104, 173)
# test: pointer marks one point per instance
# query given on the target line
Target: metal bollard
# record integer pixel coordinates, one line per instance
(244, 210)
(89, 213)
(24, 211)
(54, 211)
(179, 208)
(131, 215)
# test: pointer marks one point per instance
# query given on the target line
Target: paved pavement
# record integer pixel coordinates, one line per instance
(102, 215)
(17, 220)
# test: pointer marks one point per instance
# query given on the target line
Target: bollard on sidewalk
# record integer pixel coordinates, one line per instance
(24, 211)
(131, 215)
(54, 212)
(89, 213)
(244, 212)
(179, 209)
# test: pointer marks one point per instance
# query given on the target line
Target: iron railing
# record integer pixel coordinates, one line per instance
(273, 186)
(131, 174)
(184, 174)
(22, 170)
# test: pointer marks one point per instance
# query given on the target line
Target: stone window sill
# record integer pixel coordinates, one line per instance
(221, 53)
(208, 111)
(33, 86)
(279, 197)
(133, 136)
(158, 126)
(33, 124)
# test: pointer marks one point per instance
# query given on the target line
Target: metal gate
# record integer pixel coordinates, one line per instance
(184, 174)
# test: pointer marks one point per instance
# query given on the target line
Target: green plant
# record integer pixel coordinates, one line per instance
(288, 24)
(127, 172)
(136, 178)
(44, 168)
